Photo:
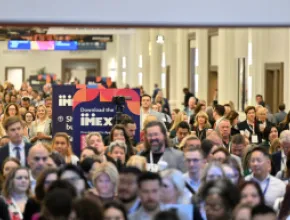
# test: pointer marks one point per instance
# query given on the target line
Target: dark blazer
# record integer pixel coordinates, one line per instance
(276, 158)
(244, 126)
(268, 125)
(282, 127)
(4, 152)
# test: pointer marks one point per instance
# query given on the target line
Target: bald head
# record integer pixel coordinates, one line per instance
(37, 157)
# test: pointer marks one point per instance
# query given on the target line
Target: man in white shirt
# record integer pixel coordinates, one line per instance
(37, 158)
(194, 162)
(16, 147)
(271, 187)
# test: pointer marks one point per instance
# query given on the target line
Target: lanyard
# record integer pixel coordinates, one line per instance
(252, 128)
(151, 158)
(267, 185)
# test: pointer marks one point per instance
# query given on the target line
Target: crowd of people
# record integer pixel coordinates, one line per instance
(196, 162)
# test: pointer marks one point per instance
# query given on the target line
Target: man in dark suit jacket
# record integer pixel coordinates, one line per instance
(280, 116)
(280, 158)
(16, 147)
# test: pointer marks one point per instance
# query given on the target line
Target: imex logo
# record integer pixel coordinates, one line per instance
(91, 120)
(64, 100)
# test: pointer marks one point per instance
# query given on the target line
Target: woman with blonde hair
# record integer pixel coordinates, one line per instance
(201, 125)
(105, 180)
(61, 144)
(173, 185)
(138, 162)
(16, 191)
(178, 118)
(41, 130)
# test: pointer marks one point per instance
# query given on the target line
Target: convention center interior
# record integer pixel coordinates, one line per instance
(144, 123)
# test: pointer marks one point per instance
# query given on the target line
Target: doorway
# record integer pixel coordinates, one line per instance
(15, 75)
(212, 84)
(274, 88)
(80, 69)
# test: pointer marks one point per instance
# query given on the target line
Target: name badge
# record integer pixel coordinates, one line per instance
(254, 139)
(152, 167)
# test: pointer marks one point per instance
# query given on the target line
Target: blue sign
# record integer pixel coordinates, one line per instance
(93, 111)
(19, 45)
(62, 97)
(65, 45)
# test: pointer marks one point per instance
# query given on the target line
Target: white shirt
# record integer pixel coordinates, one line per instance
(32, 183)
(12, 152)
(283, 160)
(272, 187)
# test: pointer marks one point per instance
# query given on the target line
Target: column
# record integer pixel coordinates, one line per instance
(202, 68)
(132, 73)
(181, 64)
(258, 39)
(227, 71)
(155, 61)
(287, 73)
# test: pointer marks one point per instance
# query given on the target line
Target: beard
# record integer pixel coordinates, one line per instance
(150, 206)
(128, 200)
(156, 146)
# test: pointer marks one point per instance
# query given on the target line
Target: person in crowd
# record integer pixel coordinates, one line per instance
(207, 146)
(238, 145)
(224, 131)
(190, 109)
(200, 107)
(249, 127)
(260, 165)
(182, 130)
(221, 197)
(115, 210)
(37, 158)
(49, 112)
(174, 112)
(263, 212)
(7, 98)
(55, 160)
(87, 209)
(188, 142)
(25, 102)
(158, 153)
(284, 211)
(242, 212)
(130, 127)
(195, 163)
(146, 110)
(9, 164)
(165, 107)
(22, 112)
(234, 171)
(4, 214)
(44, 180)
(270, 135)
(173, 185)
(4, 140)
(262, 121)
(16, 190)
(187, 95)
(280, 158)
(218, 115)
(201, 125)
(118, 151)
(41, 129)
(221, 155)
(178, 119)
(233, 117)
(75, 176)
(32, 109)
(88, 152)
(228, 109)
(212, 171)
(57, 204)
(61, 144)
(284, 125)
(149, 185)
(29, 118)
(138, 162)
(105, 180)
(155, 91)
(165, 117)
(119, 133)
(95, 140)
(279, 116)
(209, 112)
(16, 147)
(128, 188)
(284, 174)
(148, 119)
(88, 166)
(10, 111)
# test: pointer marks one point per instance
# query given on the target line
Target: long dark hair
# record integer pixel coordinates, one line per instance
(121, 127)
(258, 188)
(286, 120)
(285, 207)
(116, 205)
